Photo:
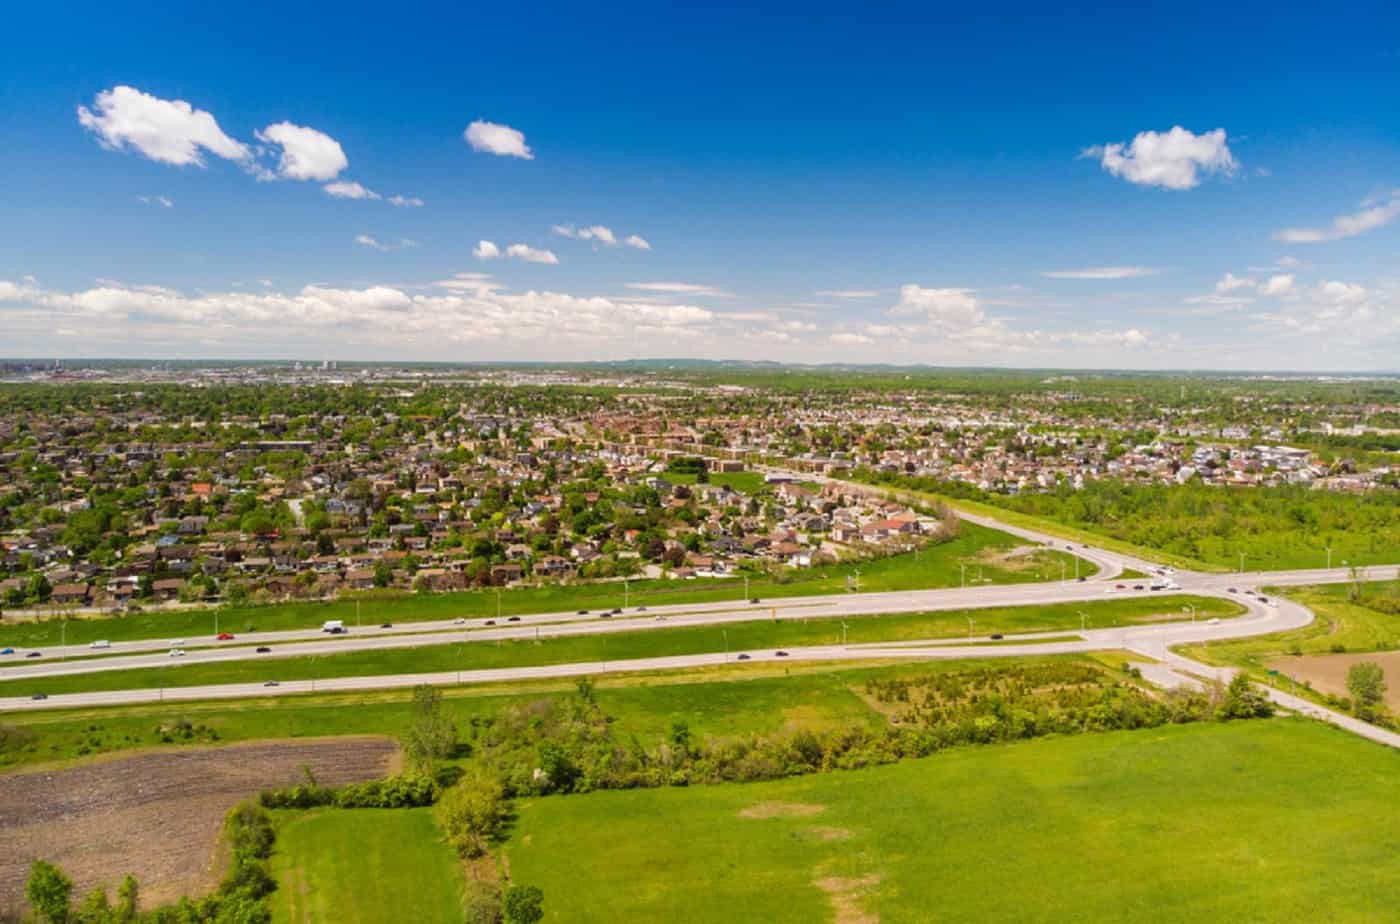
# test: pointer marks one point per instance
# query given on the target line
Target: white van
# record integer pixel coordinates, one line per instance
(333, 625)
(101, 643)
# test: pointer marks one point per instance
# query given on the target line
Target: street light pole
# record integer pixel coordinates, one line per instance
(1329, 558)
(962, 575)
(844, 627)
(625, 594)
(1241, 563)
(969, 627)
(498, 603)
(725, 633)
(1192, 608)
(1083, 621)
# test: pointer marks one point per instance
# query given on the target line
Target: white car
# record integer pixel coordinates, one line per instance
(175, 653)
(101, 643)
(1215, 620)
(176, 642)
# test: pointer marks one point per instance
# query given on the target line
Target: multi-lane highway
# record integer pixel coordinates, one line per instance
(1153, 640)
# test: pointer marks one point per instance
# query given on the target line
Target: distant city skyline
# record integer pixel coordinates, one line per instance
(1192, 188)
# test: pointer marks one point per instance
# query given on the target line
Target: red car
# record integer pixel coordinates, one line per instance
(225, 637)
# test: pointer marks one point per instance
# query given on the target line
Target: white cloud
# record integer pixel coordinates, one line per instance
(1370, 217)
(494, 138)
(849, 339)
(402, 243)
(602, 234)
(1281, 284)
(164, 202)
(1232, 283)
(409, 202)
(1340, 293)
(307, 154)
(487, 250)
(168, 131)
(1104, 272)
(677, 288)
(940, 306)
(847, 293)
(530, 254)
(1175, 159)
(345, 189)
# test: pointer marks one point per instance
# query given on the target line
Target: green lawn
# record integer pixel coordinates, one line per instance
(621, 646)
(364, 866)
(1277, 820)
(939, 566)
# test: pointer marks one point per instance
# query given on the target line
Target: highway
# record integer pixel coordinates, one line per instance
(1152, 640)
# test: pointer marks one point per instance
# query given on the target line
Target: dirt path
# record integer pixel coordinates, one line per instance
(1328, 673)
(157, 816)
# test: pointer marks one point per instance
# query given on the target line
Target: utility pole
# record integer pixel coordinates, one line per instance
(1083, 621)
(1329, 558)
(725, 633)
(857, 580)
(969, 627)
(1192, 608)
(844, 627)
(746, 587)
(1062, 571)
(357, 614)
(625, 593)
(1241, 563)
(962, 574)
(64, 646)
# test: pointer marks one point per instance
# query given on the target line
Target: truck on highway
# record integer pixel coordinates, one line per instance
(335, 626)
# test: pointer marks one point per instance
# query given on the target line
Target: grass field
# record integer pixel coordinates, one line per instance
(938, 566)
(622, 646)
(719, 702)
(364, 866)
(1275, 820)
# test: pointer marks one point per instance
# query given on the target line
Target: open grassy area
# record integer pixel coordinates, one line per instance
(364, 866)
(939, 566)
(1273, 820)
(623, 646)
(719, 702)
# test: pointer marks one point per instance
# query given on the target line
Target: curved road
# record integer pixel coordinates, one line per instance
(1151, 640)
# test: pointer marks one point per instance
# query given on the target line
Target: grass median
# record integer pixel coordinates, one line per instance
(758, 634)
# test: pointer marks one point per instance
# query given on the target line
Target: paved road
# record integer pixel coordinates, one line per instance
(1263, 617)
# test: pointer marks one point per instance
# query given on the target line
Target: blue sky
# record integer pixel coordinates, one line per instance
(814, 184)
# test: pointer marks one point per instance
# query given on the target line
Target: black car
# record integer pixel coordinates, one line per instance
(583, 612)
(997, 636)
(272, 683)
(40, 696)
(513, 619)
(490, 622)
(605, 615)
(1137, 587)
(386, 625)
(1231, 590)
(263, 649)
(339, 630)
(743, 657)
(780, 653)
(35, 654)
(755, 600)
(617, 611)
(641, 609)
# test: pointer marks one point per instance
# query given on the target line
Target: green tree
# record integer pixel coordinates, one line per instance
(49, 892)
(472, 813)
(1243, 701)
(1366, 684)
(524, 904)
(432, 736)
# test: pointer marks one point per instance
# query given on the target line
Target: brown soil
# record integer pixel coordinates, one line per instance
(157, 816)
(1328, 673)
(781, 810)
(825, 833)
(846, 897)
